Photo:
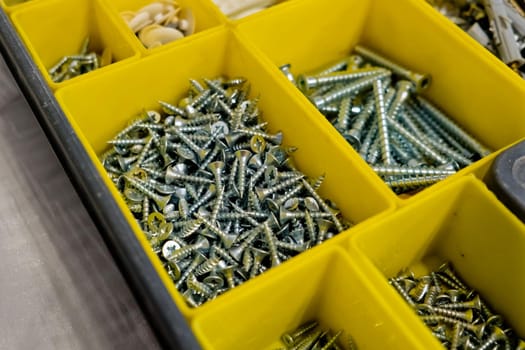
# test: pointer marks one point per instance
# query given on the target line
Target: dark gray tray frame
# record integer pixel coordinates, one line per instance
(165, 318)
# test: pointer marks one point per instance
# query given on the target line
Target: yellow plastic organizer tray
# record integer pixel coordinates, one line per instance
(343, 282)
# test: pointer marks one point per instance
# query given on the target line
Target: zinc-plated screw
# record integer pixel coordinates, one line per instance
(323, 227)
(307, 342)
(466, 316)
(343, 116)
(416, 142)
(421, 81)
(353, 136)
(173, 174)
(270, 240)
(347, 90)
(227, 272)
(201, 153)
(410, 171)
(206, 266)
(258, 256)
(323, 205)
(226, 238)
(290, 338)
(496, 336)
(452, 127)
(384, 139)
(286, 69)
(401, 291)
(337, 66)
(262, 193)
(197, 260)
(160, 201)
(455, 336)
(172, 254)
(420, 290)
(243, 156)
(306, 83)
(446, 269)
(198, 287)
(332, 340)
(275, 138)
(403, 90)
(286, 215)
(413, 182)
(236, 252)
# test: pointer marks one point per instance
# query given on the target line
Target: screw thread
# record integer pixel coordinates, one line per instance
(224, 255)
(421, 81)
(452, 127)
(401, 291)
(171, 175)
(265, 192)
(410, 171)
(368, 141)
(414, 182)
(274, 138)
(270, 240)
(343, 117)
(416, 142)
(207, 266)
(311, 82)
(323, 205)
(384, 141)
(334, 67)
(198, 287)
(347, 90)
(171, 109)
(189, 270)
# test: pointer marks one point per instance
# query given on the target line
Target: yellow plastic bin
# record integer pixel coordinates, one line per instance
(323, 285)
(464, 224)
(343, 282)
(468, 83)
(53, 29)
(121, 94)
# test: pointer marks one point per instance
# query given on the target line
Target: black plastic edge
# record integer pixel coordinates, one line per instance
(506, 179)
(165, 318)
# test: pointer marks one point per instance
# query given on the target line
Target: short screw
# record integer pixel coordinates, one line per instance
(289, 339)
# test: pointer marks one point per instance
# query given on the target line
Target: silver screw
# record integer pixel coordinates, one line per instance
(384, 139)
(421, 81)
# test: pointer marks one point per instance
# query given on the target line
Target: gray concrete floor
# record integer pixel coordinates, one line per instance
(59, 287)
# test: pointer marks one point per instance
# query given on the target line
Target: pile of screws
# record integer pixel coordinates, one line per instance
(456, 314)
(374, 104)
(309, 336)
(236, 9)
(74, 65)
(160, 22)
(218, 197)
(498, 25)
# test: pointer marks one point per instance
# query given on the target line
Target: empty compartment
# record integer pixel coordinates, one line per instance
(326, 286)
(463, 224)
(57, 28)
